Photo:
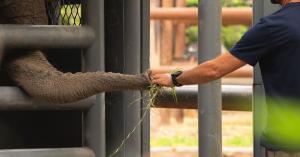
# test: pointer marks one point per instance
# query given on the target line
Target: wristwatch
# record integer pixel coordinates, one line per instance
(174, 77)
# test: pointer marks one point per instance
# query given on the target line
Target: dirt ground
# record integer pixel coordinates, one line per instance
(236, 133)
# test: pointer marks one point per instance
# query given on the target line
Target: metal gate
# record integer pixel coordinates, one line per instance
(89, 41)
(112, 39)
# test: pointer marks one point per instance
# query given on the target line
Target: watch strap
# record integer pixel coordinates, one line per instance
(174, 78)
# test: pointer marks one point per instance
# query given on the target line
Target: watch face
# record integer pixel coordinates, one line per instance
(177, 73)
(275, 1)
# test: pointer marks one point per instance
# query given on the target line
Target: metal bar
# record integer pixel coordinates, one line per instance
(132, 56)
(94, 60)
(209, 96)
(1, 50)
(145, 63)
(13, 98)
(59, 152)
(114, 57)
(260, 9)
(230, 16)
(46, 37)
(234, 98)
(123, 54)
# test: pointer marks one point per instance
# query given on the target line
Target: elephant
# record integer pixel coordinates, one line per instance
(31, 70)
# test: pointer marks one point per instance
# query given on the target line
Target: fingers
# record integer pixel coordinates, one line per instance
(155, 76)
(157, 81)
(162, 79)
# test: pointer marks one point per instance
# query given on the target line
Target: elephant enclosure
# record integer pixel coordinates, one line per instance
(30, 68)
(94, 126)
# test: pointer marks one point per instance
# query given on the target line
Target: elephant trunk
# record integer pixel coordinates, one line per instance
(41, 80)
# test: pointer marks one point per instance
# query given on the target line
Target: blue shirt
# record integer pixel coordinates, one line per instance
(274, 43)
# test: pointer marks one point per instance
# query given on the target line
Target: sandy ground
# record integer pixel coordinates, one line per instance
(236, 130)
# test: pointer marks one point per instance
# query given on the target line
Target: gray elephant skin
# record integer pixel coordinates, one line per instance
(31, 70)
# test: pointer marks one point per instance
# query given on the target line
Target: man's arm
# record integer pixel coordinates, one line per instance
(203, 73)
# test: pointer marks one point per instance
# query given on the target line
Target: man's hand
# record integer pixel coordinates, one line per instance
(162, 79)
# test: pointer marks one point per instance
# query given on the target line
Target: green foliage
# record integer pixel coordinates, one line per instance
(192, 3)
(232, 34)
(236, 3)
(191, 34)
(71, 14)
(229, 35)
(225, 3)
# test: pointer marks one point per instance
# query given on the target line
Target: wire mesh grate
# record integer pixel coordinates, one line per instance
(64, 12)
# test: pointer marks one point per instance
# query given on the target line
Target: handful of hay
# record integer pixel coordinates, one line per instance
(153, 93)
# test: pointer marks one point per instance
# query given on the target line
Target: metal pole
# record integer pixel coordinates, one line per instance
(47, 37)
(58, 152)
(123, 54)
(234, 98)
(93, 60)
(13, 98)
(145, 63)
(1, 50)
(132, 54)
(114, 56)
(260, 9)
(209, 97)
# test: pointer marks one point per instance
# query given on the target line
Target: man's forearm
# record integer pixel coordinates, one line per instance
(202, 73)
(211, 70)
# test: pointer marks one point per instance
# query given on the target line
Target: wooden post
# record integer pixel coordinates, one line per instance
(179, 51)
(155, 38)
(179, 115)
(180, 34)
(230, 16)
(167, 37)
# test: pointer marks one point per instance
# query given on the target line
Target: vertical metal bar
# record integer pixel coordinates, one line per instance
(209, 96)
(132, 50)
(123, 54)
(1, 49)
(114, 57)
(145, 63)
(260, 9)
(258, 90)
(93, 60)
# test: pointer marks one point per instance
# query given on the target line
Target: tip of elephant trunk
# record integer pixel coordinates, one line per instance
(147, 74)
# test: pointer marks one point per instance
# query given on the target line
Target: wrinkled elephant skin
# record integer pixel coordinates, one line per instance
(31, 70)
